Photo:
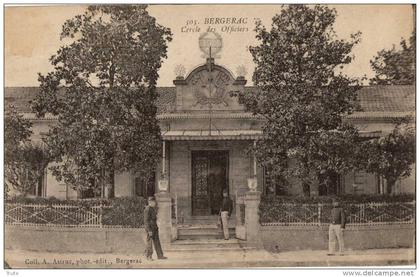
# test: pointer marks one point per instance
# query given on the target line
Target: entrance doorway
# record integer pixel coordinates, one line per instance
(209, 179)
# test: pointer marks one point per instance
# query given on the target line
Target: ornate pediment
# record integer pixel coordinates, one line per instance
(208, 87)
(211, 88)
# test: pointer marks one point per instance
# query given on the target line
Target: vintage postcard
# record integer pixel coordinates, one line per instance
(209, 136)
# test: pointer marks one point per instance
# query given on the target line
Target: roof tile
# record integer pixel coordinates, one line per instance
(373, 99)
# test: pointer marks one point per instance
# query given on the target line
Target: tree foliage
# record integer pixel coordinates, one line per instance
(393, 155)
(103, 90)
(302, 95)
(17, 130)
(24, 162)
(396, 67)
(27, 167)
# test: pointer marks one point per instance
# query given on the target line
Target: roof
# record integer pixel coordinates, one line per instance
(21, 98)
(375, 101)
(387, 98)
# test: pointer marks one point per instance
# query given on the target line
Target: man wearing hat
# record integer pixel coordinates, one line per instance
(225, 212)
(150, 224)
(337, 225)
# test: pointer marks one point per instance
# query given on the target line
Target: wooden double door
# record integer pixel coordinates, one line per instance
(209, 179)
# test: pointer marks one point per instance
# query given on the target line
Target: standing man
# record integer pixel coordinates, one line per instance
(335, 232)
(225, 212)
(150, 224)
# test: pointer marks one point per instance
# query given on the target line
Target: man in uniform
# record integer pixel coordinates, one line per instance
(225, 212)
(337, 225)
(150, 224)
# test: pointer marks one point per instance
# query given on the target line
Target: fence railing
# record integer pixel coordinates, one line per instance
(59, 215)
(319, 214)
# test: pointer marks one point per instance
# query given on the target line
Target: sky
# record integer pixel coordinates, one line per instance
(32, 35)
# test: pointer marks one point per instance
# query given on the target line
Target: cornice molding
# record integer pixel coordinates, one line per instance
(385, 117)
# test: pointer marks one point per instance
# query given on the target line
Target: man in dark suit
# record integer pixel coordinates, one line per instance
(150, 224)
(336, 230)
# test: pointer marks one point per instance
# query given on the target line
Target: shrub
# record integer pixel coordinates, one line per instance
(126, 212)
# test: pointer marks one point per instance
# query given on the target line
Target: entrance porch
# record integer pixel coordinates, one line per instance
(199, 170)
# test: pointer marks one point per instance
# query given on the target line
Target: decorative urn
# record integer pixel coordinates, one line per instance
(163, 185)
(252, 184)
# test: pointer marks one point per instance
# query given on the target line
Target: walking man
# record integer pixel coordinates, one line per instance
(150, 224)
(225, 212)
(335, 232)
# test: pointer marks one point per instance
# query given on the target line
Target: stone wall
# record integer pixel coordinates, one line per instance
(273, 238)
(66, 239)
(289, 238)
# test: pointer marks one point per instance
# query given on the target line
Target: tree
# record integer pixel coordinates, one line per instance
(393, 155)
(17, 130)
(396, 67)
(24, 162)
(29, 163)
(302, 96)
(103, 91)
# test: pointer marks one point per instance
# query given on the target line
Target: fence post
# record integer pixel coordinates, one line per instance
(413, 211)
(164, 217)
(319, 213)
(252, 222)
(176, 209)
(100, 215)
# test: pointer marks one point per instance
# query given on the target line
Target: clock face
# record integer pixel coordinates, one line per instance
(210, 40)
(210, 88)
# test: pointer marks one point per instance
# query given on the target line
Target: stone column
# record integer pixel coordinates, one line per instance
(164, 219)
(252, 224)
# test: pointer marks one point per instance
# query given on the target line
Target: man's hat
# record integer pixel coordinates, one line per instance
(225, 191)
(151, 198)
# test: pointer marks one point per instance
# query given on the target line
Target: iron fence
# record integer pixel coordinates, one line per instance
(53, 215)
(319, 214)
(281, 214)
(62, 215)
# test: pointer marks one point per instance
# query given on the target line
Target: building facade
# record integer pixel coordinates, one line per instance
(205, 136)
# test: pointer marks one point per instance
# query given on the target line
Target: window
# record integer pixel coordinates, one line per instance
(98, 189)
(93, 191)
(329, 183)
(38, 188)
(144, 186)
(274, 185)
(360, 181)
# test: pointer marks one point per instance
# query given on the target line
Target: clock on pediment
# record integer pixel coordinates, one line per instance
(211, 87)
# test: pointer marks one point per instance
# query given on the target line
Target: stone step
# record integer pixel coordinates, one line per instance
(208, 249)
(203, 236)
(207, 242)
(206, 245)
(202, 232)
(202, 226)
(208, 230)
(205, 220)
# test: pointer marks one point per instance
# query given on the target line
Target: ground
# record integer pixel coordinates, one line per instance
(215, 259)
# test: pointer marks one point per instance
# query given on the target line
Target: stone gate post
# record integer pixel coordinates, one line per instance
(164, 220)
(252, 224)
